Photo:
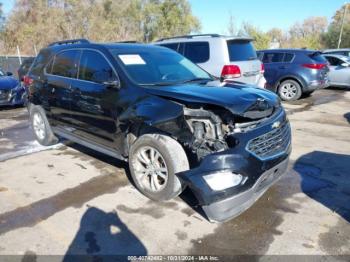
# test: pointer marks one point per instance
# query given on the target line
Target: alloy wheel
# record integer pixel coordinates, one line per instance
(39, 126)
(150, 169)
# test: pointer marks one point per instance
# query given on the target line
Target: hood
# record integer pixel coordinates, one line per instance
(240, 99)
(7, 82)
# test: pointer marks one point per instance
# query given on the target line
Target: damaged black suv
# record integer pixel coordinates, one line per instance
(174, 123)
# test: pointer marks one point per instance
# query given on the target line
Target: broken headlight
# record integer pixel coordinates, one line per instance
(223, 179)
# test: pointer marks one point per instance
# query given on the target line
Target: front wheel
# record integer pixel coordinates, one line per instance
(289, 90)
(154, 161)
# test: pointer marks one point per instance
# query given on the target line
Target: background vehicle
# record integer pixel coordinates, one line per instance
(294, 72)
(155, 108)
(11, 91)
(227, 57)
(339, 74)
(23, 69)
(341, 51)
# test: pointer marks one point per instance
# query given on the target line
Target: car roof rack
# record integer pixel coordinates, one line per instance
(128, 42)
(188, 36)
(72, 41)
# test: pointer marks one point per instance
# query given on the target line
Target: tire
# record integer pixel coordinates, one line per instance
(169, 159)
(41, 127)
(289, 90)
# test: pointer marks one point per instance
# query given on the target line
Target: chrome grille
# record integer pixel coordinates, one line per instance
(272, 143)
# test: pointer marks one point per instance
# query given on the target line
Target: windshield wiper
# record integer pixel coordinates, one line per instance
(158, 84)
(197, 79)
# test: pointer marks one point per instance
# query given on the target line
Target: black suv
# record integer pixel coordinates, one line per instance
(173, 123)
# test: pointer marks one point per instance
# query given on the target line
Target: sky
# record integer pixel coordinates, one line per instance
(265, 14)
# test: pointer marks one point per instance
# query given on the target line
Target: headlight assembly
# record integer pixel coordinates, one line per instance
(223, 180)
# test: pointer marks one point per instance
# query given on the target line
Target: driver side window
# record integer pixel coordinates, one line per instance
(95, 68)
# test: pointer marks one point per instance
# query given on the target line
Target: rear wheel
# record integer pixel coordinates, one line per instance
(289, 90)
(41, 127)
(154, 161)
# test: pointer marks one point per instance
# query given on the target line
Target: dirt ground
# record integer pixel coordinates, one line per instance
(67, 199)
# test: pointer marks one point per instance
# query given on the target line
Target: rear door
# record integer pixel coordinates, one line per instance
(242, 53)
(60, 73)
(274, 66)
(93, 99)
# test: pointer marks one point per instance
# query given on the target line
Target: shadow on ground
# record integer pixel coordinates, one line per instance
(325, 178)
(347, 117)
(102, 234)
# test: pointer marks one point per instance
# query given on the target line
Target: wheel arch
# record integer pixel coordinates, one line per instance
(299, 80)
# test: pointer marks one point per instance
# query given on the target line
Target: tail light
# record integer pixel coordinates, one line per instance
(262, 70)
(315, 66)
(27, 81)
(230, 71)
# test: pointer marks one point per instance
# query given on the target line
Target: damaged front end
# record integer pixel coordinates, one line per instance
(238, 141)
(239, 158)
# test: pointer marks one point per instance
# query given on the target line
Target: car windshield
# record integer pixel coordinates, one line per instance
(159, 67)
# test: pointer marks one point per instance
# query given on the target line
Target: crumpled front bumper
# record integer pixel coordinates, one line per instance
(260, 173)
(231, 207)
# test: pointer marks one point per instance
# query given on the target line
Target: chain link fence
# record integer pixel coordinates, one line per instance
(11, 63)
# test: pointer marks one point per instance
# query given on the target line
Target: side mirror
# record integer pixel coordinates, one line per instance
(345, 65)
(9, 74)
(114, 84)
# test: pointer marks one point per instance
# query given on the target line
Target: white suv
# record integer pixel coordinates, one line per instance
(230, 58)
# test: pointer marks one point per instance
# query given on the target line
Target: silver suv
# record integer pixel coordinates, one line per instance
(228, 57)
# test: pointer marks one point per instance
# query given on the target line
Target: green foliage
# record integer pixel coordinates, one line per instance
(39, 22)
(261, 39)
(331, 37)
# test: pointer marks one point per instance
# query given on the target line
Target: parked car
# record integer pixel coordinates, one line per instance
(342, 51)
(24, 67)
(167, 117)
(294, 72)
(339, 74)
(225, 57)
(11, 92)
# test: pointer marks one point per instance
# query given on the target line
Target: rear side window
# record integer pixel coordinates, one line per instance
(171, 46)
(95, 68)
(273, 58)
(241, 50)
(66, 64)
(197, 52)
(288, 57)
(39, 63)
(260, 55)
(334, 61)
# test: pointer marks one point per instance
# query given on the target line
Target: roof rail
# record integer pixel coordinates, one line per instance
(128, 42)
(188, 36)
(72, 41)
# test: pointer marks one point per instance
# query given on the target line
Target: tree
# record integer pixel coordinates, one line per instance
(277, 35)
(261, 40)
(331, 37)
(39, 22)
(166, 18)
(231, 28)
(308, 33)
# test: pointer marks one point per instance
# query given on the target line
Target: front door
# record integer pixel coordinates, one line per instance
(94, 99)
